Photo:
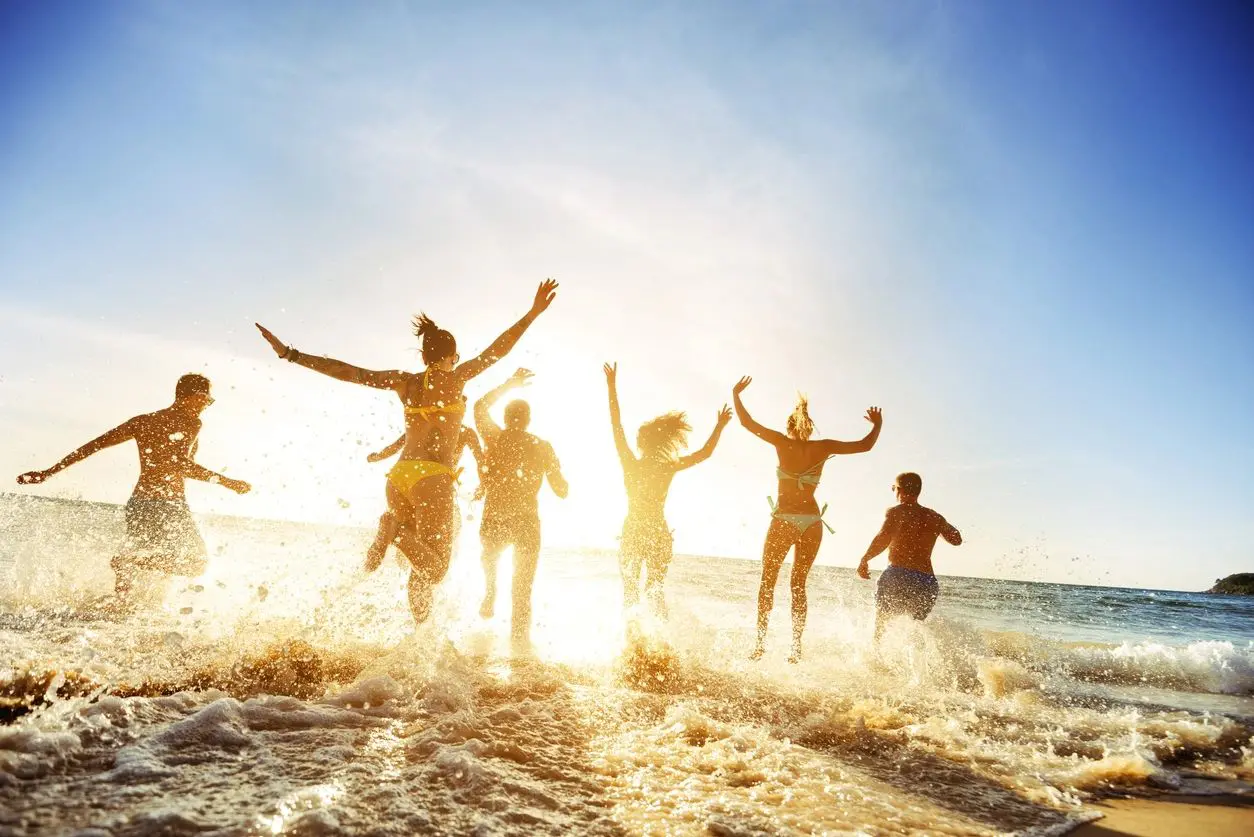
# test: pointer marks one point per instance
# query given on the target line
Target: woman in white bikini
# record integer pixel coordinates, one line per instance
(796, 519)
(421, 486)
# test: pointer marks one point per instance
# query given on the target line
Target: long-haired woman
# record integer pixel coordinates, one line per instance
(421, 486)
(647, 541)
(796, 519)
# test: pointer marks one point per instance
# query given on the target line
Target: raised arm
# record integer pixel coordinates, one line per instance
(774, 437)
(724, 416)
(502, 345)
(831, 447)
(553, 473)
(388, 452)
(122, 433)
(625, 456)
(882, 541)
(338, 369)
(484, 422)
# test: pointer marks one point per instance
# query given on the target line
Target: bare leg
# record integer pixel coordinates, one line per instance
(429, 545)
(493, 547)
(803, 556)
(629, 564)
(526, 557)
(388, 525)
(774, 551)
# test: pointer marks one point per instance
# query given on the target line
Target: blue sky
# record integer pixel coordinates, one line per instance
(1022, 229)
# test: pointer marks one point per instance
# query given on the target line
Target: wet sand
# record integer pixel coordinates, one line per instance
(1215, 816)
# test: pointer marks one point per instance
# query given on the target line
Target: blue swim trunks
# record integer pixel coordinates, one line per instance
(911, 592)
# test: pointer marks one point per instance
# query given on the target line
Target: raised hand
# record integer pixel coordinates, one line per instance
(32, 478)
(544, 296)
(741, 385)
(724, 416)
(520, 378)
(874, 416)
(611, 373)
(280, 348)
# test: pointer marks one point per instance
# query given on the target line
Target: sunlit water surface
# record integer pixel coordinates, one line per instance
(284, 692)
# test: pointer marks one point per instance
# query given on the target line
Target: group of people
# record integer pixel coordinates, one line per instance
(421, 517)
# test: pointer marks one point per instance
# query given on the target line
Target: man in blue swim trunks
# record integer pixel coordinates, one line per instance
(908, 586)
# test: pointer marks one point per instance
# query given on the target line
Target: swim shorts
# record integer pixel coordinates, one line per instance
(901, 590)
(161, 537)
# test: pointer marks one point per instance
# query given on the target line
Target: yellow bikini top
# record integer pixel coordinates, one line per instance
(457, 408)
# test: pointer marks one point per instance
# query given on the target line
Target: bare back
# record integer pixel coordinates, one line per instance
(914, 530)
(517, 462)
(166, 440)
(648, 483)
(801, 467)
(434, 406)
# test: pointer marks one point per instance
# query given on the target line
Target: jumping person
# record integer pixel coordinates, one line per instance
(516, 464)
(647, 540)
(796, 519)
(909, 532)
(161, 536)
(469, 441)
(421, 486)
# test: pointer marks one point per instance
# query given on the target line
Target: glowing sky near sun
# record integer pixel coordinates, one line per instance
(1021, 229)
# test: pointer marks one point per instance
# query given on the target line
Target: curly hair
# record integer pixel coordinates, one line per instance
(665, 436)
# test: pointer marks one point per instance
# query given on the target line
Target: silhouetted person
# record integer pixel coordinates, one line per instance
(647, 541)
(516, 464)
(909, 532)
(161, 536)
(469, 441)
(796, 519)
(421, 486)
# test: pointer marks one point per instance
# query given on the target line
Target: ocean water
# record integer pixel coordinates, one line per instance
(285, 692)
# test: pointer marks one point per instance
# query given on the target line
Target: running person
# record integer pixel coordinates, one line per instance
(421, 486)
(517, 463)
(908, 586)
(469, 441)
(161, 536)
(796, 519)
(647, 541)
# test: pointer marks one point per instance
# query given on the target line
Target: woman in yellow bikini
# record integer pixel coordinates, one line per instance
(796, 519)
(421, 486)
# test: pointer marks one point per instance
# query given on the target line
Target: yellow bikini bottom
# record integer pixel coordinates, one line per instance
(409, 472)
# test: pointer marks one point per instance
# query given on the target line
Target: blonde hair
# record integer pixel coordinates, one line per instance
(664, 436)
(800, 425)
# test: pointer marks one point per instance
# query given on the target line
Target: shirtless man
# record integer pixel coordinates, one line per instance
(160, 533)
(517, 462)
(909, 532)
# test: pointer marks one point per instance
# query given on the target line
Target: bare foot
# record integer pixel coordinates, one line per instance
(758, 651)
(795, 656)
(374, 556)
(488, 607)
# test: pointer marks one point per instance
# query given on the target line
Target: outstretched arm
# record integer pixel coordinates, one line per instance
(951, 535)
(388, 452)
(123, 432)
(338, 369)
(879, 543)
(192, 471)
(502, 345)
(831, 447)
(774, 437)
(484, 423)
(724, 416)
(557, 481)
(625, 456)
